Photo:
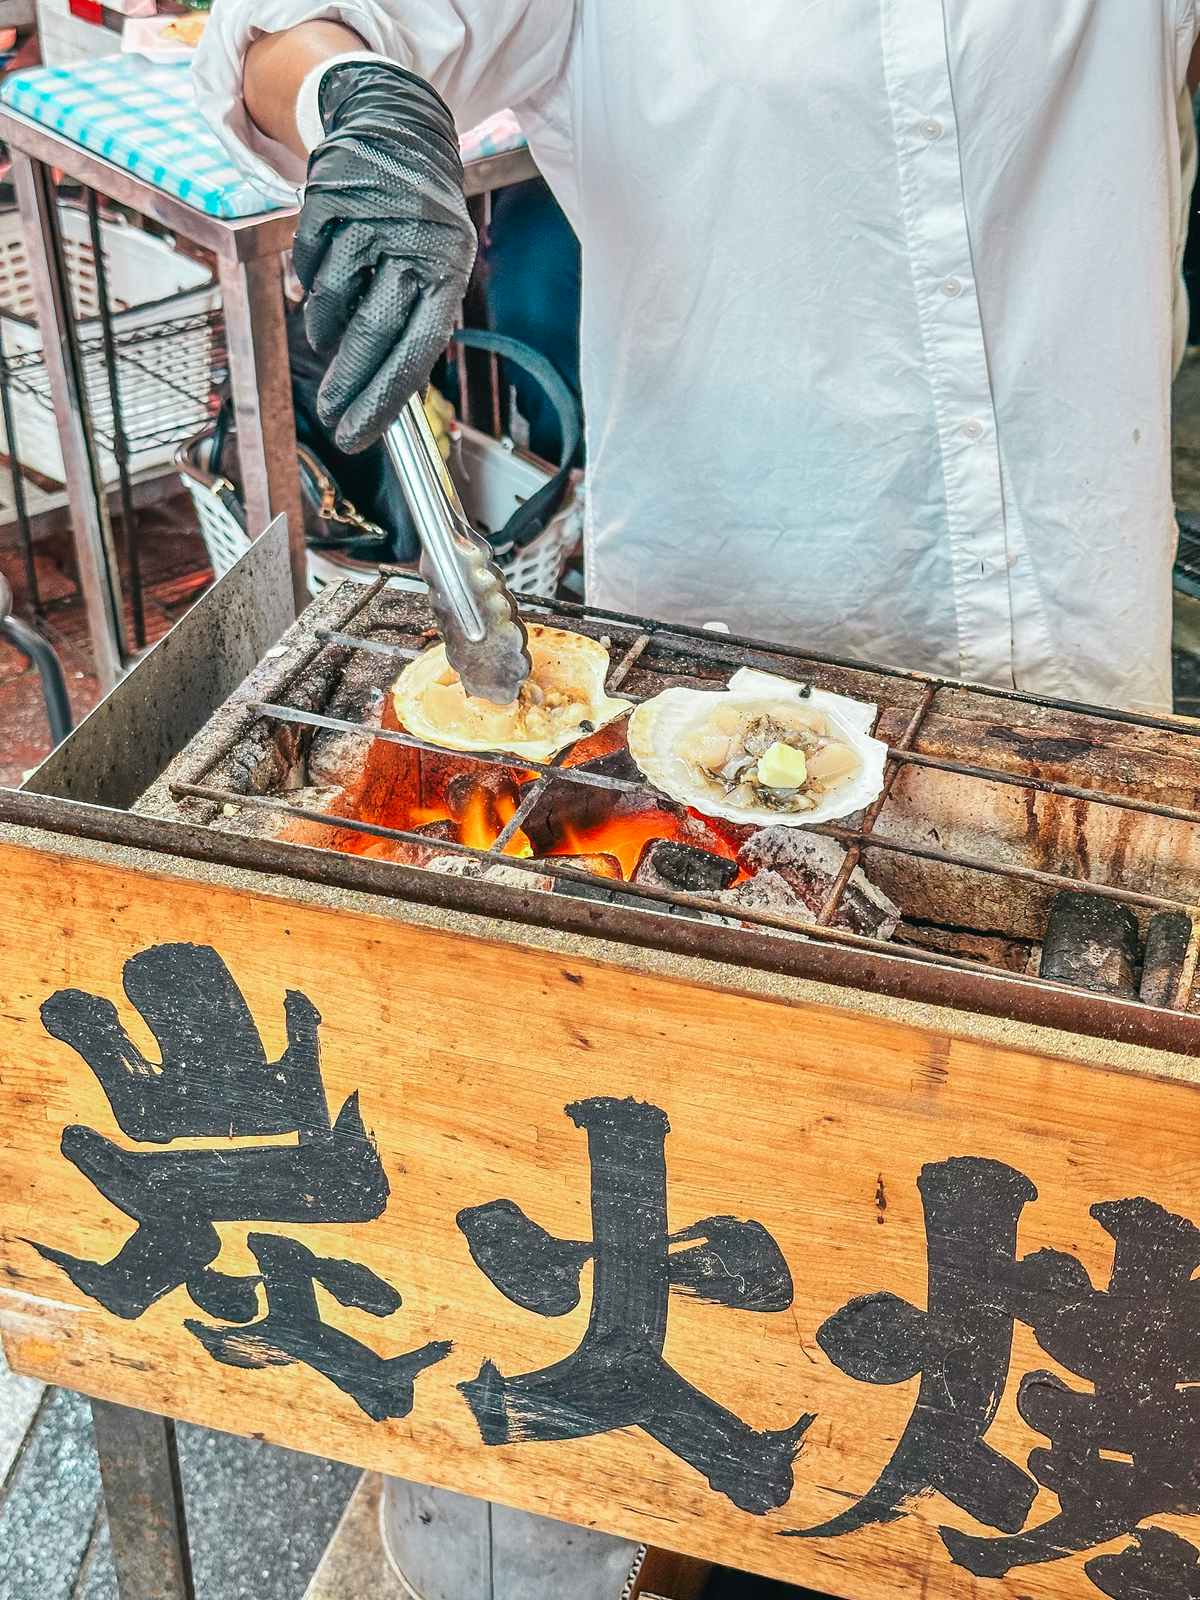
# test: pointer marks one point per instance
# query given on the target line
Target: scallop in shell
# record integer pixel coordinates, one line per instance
(563, 701)
(699, 747)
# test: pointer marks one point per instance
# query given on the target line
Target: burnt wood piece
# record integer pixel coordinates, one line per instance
(1168, 939)
(667, 864)
(810, 863)
(577, 805)
(1093, 943)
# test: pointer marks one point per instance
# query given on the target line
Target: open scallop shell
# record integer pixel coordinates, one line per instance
(431, 704)
(661, 727)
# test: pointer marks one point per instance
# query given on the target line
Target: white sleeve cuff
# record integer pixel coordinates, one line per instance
(308, 102)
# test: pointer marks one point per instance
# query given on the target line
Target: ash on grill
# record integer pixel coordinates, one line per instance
(1052, 843)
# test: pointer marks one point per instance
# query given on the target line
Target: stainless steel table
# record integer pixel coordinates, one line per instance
(249, 255)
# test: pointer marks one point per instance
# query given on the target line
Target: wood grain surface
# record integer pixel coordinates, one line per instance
(814, 1123)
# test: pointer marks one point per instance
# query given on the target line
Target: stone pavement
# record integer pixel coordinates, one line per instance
(174, 572)
(259, 1517)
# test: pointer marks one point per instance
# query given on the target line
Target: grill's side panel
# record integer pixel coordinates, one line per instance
(589, 1241)
(167, 697)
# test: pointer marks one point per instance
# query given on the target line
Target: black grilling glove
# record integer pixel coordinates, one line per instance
(384, 245)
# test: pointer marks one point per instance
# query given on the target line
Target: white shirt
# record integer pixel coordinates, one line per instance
(879, 303)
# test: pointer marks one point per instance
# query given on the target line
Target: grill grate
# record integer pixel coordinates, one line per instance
(705, 659)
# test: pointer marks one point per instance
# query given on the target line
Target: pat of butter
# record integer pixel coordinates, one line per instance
(782, 767)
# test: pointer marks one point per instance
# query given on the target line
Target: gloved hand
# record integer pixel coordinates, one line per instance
(384, 245)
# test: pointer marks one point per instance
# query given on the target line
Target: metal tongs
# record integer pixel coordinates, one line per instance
(486, 642)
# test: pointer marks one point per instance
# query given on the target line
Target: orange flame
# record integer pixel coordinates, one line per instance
(623, 837)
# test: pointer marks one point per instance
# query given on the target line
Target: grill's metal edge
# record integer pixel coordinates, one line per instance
(900, 975)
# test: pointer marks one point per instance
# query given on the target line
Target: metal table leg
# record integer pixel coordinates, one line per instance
(129, 528)
(139, 1468)
(94, 551)
(260, 377)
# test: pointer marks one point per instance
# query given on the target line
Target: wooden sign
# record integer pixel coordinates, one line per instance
(849, 1302)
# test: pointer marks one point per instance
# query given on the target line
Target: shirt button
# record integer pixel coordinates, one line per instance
(952, 288)
(973, 429)
(932, 129)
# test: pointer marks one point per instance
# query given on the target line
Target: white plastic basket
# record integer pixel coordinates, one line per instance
(164, 382)
(493, 480)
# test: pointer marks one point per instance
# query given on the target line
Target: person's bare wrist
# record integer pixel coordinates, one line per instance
(276, 67)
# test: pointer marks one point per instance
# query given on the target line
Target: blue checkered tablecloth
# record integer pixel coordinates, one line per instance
(141, 116)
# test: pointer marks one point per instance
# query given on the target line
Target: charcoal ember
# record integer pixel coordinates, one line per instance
(667, 864)
(1168, 940)
(767, 891)
(336, 756)
(604, 867)
(616, 764)
(455, 866)
(577, 806)
(599, 865)
(1092, 942)
(445, 830)
(514, 878)
(495, 783)
(810, 863)
(707, 835)
(488, 872)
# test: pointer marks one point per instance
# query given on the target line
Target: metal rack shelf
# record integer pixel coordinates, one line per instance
(165, 373)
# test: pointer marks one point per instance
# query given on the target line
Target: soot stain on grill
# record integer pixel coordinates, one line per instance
(1038, 749)
(1079, 818)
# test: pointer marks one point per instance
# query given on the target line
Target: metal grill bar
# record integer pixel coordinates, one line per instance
(899, 752)
(656, 647)
(1068, 791)
(742, 651)
(488, 758)
(1050, 880)
(373, 647)
(546, 867)
(519, 817)
(627, 662)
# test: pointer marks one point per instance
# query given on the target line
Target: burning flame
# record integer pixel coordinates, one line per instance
(477, 818)
(623, 837)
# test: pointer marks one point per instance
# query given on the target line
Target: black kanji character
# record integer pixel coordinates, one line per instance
(1157, 1566)
(617, 1377)
(1129, 1447)
(214, 1080)
(961, 1345)
(292, 1329)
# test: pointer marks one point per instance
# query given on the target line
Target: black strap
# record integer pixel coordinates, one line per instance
(532, 517)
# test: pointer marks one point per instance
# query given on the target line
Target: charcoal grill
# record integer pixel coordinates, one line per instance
(994, 803)
(238, 846)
